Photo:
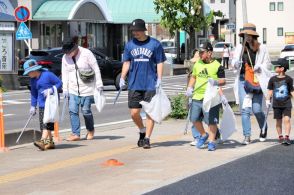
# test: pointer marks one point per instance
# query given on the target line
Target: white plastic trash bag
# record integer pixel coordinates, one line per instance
(99, 99)
(228, 122)
(51, 110)
(159, 107)
(211, 97)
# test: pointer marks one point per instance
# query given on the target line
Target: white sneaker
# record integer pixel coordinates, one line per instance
(246, 140)
(261, 139)
(194, 143)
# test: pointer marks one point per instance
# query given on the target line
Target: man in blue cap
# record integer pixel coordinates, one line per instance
(143, 62)
(42, 83)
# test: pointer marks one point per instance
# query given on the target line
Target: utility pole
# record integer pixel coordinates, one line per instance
(244, 9)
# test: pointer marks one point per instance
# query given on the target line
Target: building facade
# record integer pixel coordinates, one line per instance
(223, 28)
(272, 19)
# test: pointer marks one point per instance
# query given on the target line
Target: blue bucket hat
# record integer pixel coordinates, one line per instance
(31, 65)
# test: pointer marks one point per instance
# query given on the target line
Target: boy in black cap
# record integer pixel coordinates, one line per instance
(206, 70)
(143, 63)
(281, 88)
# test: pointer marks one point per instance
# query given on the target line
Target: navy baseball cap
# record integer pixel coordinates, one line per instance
(206, 46)
(138, 25)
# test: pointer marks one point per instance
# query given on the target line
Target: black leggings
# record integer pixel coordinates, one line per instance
(47, 126)
(226, 62)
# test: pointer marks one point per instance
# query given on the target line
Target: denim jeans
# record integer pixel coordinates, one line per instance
(256, 109)
(74, 106)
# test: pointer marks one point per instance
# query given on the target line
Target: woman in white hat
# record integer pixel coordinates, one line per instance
(251, 58)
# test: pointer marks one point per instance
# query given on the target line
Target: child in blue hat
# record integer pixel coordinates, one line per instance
(41, 82)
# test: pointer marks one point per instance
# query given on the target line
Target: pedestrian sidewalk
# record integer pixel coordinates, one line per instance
(77, 167)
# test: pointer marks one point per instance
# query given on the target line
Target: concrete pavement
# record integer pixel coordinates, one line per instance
(76, 167)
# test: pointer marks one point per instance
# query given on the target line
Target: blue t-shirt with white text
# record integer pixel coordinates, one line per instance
(144, 57)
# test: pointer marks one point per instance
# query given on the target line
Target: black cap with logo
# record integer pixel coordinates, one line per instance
(138, 25)
(282, 62)
(206, 46)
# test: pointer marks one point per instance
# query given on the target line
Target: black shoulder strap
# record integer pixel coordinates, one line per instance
(74, 60)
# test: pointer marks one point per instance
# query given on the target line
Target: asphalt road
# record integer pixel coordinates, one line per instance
(268, 172)
(17, 104)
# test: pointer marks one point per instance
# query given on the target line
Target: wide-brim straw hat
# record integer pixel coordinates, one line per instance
(249, 29)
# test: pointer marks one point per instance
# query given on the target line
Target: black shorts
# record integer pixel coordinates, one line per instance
(280, 112)
(47, 126)
(135, 97)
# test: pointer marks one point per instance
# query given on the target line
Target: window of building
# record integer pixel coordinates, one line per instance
(223, 1)
(280, 6)
(212, 1)
(264, 35)
(272, 6)
(280, 31)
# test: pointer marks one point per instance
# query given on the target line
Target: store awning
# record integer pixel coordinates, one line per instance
(6, 11)
(65, 10)
(125, 11)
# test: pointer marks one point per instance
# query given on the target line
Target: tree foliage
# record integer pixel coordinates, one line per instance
(184, 15)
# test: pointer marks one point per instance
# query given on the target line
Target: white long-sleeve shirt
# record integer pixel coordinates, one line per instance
(262, 61)
(72, 82)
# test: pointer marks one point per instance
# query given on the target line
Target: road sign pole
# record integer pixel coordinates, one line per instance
(28, 45)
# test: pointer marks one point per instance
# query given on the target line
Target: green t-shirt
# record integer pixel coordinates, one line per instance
(203, 72)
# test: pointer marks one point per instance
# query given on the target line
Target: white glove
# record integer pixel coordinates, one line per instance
(224, 100)
(268, 103)
(122, 83)
(33, 110)
(99, 88)
(158, 83)
(257, 69)
(213, 82)
(238, 64)
(189, 92)
(46, 91)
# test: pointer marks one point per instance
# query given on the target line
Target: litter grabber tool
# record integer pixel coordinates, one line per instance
(188, 117)
(117, 96)
(28, 121)
(63, 110)
(265, 120)
(190, 104)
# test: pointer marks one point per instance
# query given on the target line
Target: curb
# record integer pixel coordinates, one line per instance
(27, 137)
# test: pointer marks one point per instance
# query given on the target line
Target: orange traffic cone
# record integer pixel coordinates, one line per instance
(112, 163)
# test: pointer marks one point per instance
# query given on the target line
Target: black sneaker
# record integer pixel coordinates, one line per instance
(141, 140)
(287, 141)
(146, 143)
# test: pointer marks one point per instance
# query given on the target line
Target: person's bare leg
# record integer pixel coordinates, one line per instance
(135, 114)
(212, 129)
(279, 127)
(199, 127)
(149, 126)
(287, 124)
(44, 134)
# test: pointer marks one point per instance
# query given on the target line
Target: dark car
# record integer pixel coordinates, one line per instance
(51, 59)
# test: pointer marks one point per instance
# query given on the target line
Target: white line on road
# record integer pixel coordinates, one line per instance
(8, 115)
(103, 124)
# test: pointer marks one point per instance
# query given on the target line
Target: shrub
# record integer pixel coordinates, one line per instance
(179, 107)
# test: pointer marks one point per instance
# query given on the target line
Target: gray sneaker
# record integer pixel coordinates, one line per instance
(246, 140)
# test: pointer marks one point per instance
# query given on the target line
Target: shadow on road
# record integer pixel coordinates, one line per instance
(170, 143)
(109, 137)
(68, 146)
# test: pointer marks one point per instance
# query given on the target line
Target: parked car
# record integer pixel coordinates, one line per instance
(51, 59)
(171, 54)
(288, 52)
(218, 50)
(167, 43)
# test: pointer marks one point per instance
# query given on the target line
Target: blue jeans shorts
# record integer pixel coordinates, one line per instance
(197, 113)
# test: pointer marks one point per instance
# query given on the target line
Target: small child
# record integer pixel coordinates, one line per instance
(42, 82)
(281, 88)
